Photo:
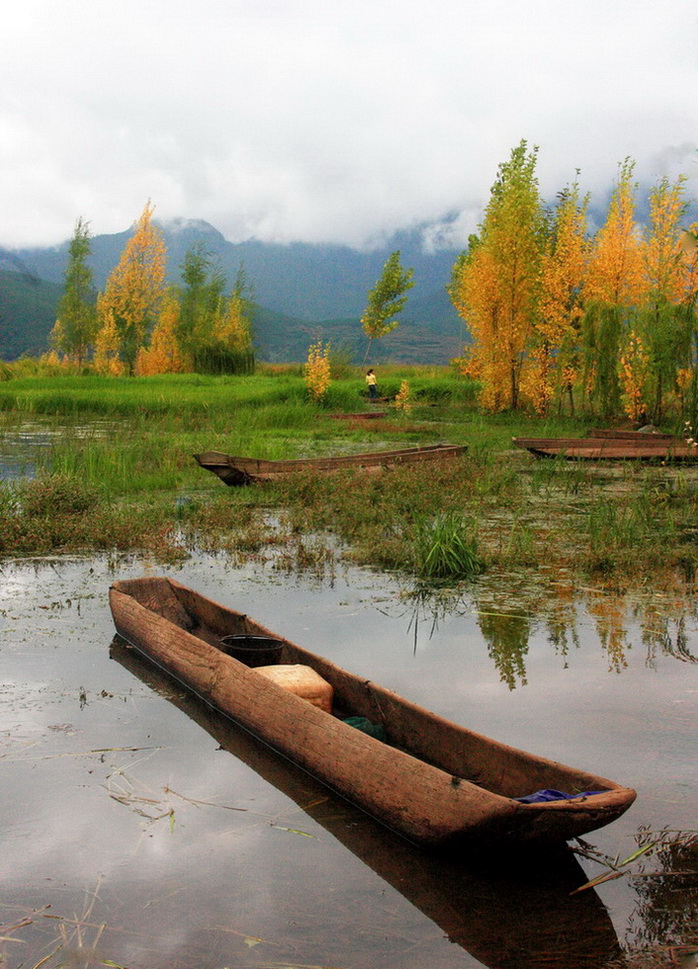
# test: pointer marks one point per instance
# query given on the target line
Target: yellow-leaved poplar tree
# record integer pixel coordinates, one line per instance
(234, 329)
(317, 370)
(496, 286)
(107, 360)
(135, 289)
(615, 286)
(163, 354)
(555, 352)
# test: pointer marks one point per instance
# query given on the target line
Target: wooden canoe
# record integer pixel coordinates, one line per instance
(643, 437)
(234, 470)
(487, 908)
(640, 447)
(364, 415)
(432, 781)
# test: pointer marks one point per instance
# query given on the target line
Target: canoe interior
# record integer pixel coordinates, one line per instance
(237, 469)
(463, 754)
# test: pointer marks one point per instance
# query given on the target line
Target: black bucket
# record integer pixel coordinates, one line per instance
(253, 650)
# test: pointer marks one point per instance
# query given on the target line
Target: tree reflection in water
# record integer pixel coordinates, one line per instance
(507, 634)
(508, 617)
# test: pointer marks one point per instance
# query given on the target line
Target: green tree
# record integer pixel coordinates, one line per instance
(76, 325)
(665, 321)
(201, 300)
(386, 299)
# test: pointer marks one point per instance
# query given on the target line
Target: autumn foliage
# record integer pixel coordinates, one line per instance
(317, 370)
(131, 300)
(497, 286)
(142, 326)
(558, 315)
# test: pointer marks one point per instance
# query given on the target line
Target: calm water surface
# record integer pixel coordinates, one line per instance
(139, 827)
(25, 446)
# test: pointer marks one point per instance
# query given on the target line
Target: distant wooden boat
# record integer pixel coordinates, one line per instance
(235, 470)
(627, 434)
(434, 782)
(612, 445)
(364, 415)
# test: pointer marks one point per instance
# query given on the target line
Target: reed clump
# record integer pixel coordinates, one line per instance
(445, 547)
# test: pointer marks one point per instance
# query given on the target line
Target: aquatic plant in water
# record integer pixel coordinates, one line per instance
(445, 547)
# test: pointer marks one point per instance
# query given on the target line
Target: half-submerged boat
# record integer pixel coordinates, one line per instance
(612, 445)
(434, 782)
(234, 470)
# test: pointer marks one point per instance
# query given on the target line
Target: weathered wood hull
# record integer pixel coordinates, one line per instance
(489, 906)
(611, 446)
(621, 434)
(434, 782)
(237, 470)
(364, 415)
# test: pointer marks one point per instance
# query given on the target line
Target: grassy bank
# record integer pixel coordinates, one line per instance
(119, 475)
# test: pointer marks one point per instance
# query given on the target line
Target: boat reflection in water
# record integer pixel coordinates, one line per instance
(508, 911)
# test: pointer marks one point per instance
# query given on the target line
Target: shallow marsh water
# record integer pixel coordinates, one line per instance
(25, 445)
(138, 827)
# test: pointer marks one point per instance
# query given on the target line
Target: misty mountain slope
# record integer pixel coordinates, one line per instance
(302, 291)
(27, 314)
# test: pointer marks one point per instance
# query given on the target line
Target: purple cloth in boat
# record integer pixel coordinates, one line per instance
(549, 795)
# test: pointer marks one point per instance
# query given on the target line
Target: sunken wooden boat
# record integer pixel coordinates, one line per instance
(612, 445)
(234, 470)
(434, 782)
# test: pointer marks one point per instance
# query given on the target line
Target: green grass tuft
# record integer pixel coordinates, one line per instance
(445, 547)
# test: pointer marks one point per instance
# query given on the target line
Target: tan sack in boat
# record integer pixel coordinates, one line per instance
(303, 681)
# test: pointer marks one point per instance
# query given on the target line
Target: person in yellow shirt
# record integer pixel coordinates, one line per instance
(372, 384)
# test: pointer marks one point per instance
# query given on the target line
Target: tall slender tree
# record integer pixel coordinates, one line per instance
(556, 349)
(614, 288)
(163, 354)
(386, 299)
(135, 289)
(664, 325)
(75, 327)
(234, 329)
(687, 377)
(201, 300)
(496, 286)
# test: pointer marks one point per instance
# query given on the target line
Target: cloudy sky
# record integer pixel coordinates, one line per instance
(323, 121)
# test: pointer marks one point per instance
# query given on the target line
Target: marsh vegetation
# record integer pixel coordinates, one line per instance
(118, 474)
